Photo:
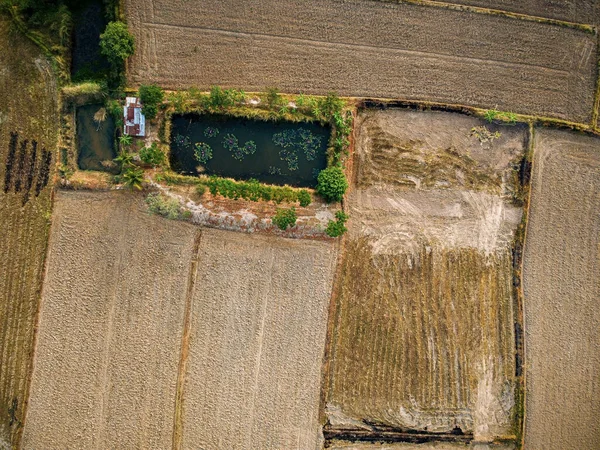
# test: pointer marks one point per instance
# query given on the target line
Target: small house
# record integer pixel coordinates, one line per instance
(134, 120)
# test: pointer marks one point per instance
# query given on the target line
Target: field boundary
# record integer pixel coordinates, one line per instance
(185, 344)
(596, 108)
(587, 28)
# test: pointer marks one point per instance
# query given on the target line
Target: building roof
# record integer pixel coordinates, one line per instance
(135, 122)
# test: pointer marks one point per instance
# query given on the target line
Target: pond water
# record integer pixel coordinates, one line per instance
(95, 139)
(89, 22)
(272, 152)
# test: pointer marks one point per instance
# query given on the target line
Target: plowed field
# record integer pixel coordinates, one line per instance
(257, 338)
(562, 294)
(423, 336)
(28, 127)
(110, 327)
(366, 48)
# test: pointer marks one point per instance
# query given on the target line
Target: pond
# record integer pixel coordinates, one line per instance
(87, 63)
(272, 152)
(95, 137)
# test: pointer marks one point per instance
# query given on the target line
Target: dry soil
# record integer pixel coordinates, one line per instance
(562, 294)
(366, 48)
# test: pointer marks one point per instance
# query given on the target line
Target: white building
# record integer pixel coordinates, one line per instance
(135, 122)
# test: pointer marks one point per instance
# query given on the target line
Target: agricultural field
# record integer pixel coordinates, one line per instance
(28, 135)
(256, 342)
(369, 49)
(423, 331)
(561, 285)
(110, 329)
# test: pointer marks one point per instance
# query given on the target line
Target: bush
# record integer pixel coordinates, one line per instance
(284, 218)
(255, 191)
(166, 207)
(274, 100)
(133, 177)
(304, 198)
(337, 227)
(332, 184)
(151, 96)
(117, 43)
(152, 155)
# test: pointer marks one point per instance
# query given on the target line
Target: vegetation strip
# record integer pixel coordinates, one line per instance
(595, 120)
(185, 344)
(499, 12)
(390, 435)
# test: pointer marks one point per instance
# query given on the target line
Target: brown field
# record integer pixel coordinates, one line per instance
(577, 11)
(110, 328)
(366, 48)
(423, 336)
(426, 446)
(28, 133)
(562, 291)
(256, 344)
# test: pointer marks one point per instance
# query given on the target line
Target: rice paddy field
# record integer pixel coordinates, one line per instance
(28, 136)
(423, 330)
(368, 49)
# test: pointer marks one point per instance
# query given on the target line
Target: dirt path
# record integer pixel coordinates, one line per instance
(562, 294)
(367, 48)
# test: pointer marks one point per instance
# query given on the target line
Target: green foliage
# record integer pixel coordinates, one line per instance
(285, 217)
(510, 117)
(304, 198)
(152, 155)
(330, 105)
(202, 152)
(133, 177)
(337, 227)
(220, 99)
(166, 206)
(151, 96)
(117, 43)
(272, 97)
(125, 140)
(332, 184)
(175, 179)
(254, 191)
(490, 114)
(124, 160)
(86, 88)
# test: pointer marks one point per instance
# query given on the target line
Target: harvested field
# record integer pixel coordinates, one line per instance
(423, 332)
(577, 11)
(28, 133)
(367, 48)
(427, 446)
(562, 292)
(256, 343)
(110, 328)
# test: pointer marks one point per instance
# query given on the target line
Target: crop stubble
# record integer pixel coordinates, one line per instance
(562, 291)
(110, 326)
(257, 338)
(365, 48)
(423, 335)
(28, 124)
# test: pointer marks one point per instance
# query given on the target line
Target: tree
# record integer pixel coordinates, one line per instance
(117, 43)
(304, 198)
(124, 160)
(337, 227)
(152, 155)
(332, 184)
(284, 218)
(151, 96)
(133, 177)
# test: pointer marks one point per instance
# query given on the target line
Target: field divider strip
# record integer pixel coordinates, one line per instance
(587, 28)
(595, 122)
(185, 344)
(304, 40)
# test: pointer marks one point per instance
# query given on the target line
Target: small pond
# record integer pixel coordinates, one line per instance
(272, 152)
(95, 137)
(87, 62)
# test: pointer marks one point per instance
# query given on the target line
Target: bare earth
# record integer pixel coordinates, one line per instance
(562, 294)
(426, 446)
(256, 342)
(366, 48)
(423, 333)
(28, 107)
(110, 327)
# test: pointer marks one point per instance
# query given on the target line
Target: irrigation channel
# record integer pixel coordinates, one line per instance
(272, 152)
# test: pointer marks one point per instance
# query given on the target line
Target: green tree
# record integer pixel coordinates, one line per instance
(117, 43)
(124, 160)
(284, 218)
(332, 184)
(125, 140)
(337, 227)
(152, 155)
(151, 96)
(133, 177)
(304, 198)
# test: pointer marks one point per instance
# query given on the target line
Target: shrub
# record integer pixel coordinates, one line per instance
(151, 96)
(284, 218)
(337, 227)
(117, 43)
(330, 105)
(490, 114)
(152, 155)
(273, 98)
(304, 198)
(332, 184)
(166, 206)
(133, 177)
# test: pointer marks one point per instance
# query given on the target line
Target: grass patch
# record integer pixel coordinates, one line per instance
(167, 207)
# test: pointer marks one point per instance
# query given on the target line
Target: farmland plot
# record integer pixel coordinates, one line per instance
(256, 343)
(28, 133)
(423, 332)
(366, 48)
(110, 328)
(562, 294)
